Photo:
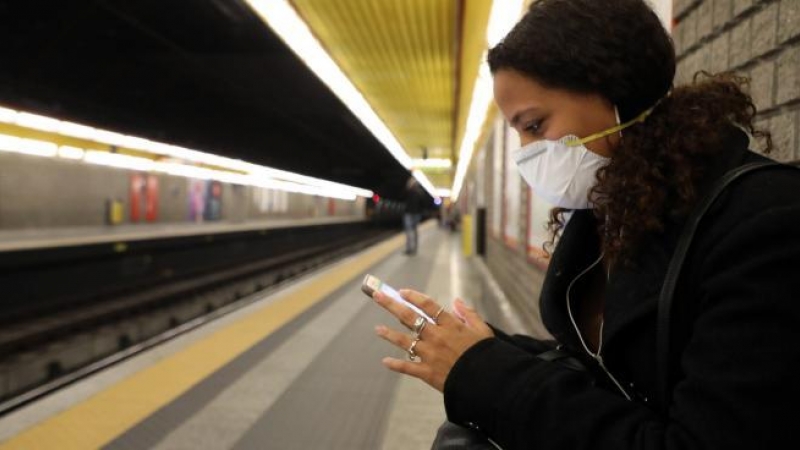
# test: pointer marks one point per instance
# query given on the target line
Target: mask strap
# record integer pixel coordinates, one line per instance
(640, 118)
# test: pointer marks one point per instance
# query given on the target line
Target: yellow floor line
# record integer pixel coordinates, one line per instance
(108, 414)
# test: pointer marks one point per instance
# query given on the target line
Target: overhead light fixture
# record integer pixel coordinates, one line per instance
(119, 161)
(503, 16)
(481, 101)
(78, 131)
(432, 163)
(424, 182)
(69, 152)
(443, 192)
(33, 147)
(8, 115)
(37, 122)
(292, 29)
(179, 161)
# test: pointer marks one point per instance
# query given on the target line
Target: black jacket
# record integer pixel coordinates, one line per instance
(735, 334)
(414, 200)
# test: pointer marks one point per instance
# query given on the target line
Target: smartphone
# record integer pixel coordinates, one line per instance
(372, 284)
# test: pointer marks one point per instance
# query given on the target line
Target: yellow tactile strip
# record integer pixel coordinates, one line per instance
(103, 417)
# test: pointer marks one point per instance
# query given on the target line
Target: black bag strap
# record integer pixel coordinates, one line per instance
(674, 270)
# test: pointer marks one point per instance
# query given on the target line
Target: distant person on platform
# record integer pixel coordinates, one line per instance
(411, 215)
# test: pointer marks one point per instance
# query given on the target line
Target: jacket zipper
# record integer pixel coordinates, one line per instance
(596, 356)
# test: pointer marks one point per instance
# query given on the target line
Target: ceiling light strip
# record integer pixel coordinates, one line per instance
(433, 163)
(503, 16)
(292, 29)
(481, 101)
(250, 174)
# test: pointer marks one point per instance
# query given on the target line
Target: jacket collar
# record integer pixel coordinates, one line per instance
(631, 292)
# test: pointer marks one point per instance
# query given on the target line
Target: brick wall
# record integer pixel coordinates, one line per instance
(756, 38)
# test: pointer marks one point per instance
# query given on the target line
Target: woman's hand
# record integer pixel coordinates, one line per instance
(439, 345)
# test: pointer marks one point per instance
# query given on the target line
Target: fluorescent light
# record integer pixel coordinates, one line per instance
(423, 180)
(8, 115)
(432, 163)
(302, 179)
(119, 161)
(252, 180)
(286, 23)
(249, 174)
(302, 189)
(110, 137)
(481, 100)
(69, 152)
(252, 169)
(443, 192)
(78, 131)
(37, 122)
(31, 147)
(9, 143)
(504, 15)
(36, 147)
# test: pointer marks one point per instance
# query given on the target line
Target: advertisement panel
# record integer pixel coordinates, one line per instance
(205, 200)
(143, 197)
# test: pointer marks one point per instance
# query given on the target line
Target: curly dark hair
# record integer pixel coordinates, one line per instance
(620, 50)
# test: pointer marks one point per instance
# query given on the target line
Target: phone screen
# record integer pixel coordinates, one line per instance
(372, 284)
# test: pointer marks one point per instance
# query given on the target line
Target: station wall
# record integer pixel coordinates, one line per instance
(756, 38)
(40, 192)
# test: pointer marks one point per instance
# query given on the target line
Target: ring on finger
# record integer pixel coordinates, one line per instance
(412, 354)
(438, 313)
(419, 325)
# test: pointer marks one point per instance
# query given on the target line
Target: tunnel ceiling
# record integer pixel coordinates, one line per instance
(210, 75)
(402, 57)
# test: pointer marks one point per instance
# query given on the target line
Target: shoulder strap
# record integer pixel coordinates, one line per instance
(673, 273)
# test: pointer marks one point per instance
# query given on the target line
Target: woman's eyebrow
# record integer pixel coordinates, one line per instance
(514, 120)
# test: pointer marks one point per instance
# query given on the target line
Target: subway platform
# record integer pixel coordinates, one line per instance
(297, 368)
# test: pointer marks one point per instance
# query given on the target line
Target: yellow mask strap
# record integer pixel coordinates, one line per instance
(640, 118)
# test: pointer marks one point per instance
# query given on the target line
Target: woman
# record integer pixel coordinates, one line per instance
(602, 71)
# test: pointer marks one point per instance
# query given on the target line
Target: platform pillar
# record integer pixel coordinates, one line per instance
(466, 234)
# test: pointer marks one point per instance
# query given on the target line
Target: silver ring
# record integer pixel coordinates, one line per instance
(412, 355)
(436, 316)
(419, 325)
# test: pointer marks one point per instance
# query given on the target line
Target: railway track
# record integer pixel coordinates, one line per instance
(200, 295)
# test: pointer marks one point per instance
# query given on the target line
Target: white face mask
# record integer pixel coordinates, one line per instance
(563, 171)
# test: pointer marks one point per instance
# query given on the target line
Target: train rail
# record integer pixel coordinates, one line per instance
(206, 290)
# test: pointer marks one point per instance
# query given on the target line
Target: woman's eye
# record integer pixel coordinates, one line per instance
(533, 127)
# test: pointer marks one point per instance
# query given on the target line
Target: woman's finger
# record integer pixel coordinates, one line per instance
(406, 315)
(427, 305)
(397, 338)
(407, 367)
(402, 340)
(467, 314)
(471, 318)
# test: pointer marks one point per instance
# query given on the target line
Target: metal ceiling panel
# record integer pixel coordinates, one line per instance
(401, 55)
